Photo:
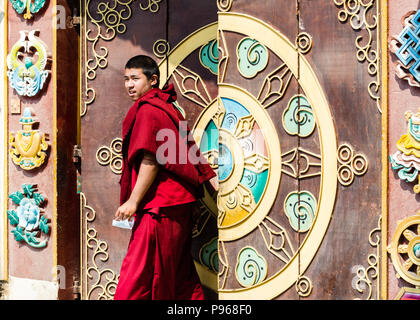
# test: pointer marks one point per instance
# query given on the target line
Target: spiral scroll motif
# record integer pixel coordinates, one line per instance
(224, 5)
(103, 23)
(364, 16)
(252, 57)
(161, 48)
(111, 156)
(303, 286)
(251, 267)
(350, 164)
(304, 42)
(298, 118)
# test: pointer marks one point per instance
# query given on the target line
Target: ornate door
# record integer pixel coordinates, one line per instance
(181, 36)
(299, 207)
(272, 90)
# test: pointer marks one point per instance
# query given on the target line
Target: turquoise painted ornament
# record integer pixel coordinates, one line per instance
(208, 255)
(209, 56)
(31, 7)
(298, 118)
(26, 64)
(300, 208)
(209, 144)
(27, 217)
(251, 267)
(225, 162)
(416, 250)
(252, 57)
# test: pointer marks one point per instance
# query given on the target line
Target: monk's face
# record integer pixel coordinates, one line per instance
(136, 82)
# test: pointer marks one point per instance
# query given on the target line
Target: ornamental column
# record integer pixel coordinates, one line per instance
(401, 254)
(2, 104)
(41, 206)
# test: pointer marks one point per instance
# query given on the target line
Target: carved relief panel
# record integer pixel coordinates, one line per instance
(402, 281)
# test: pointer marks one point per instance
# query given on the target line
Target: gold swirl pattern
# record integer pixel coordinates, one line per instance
(357, 13)
(111, 156)
(153, 6)
(102, 291)
(104, 281)
(224, 5)
(113, 17)
(161, 48)
(365, 276)
(350, 164)
(303, 286)
(110, 21)
(303, 42)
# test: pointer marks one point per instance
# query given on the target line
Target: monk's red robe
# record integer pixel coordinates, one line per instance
(158, 263)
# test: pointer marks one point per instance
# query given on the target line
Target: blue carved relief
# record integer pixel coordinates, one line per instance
(406, 47)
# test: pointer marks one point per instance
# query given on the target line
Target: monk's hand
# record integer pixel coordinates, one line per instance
(212, 185)
(126, 210)
(195, 212)
(215, 183)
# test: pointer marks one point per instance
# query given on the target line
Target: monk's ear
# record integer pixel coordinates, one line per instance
(153, 80)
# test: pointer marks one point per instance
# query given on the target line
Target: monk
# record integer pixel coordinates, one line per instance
(158, 191)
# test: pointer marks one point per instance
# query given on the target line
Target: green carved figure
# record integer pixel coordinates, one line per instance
(27, 217)
(31, 7)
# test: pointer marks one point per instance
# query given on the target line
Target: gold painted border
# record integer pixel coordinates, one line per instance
(79, 82)
(5, 158)
(79, 140)
(383, 25)
(309, 82)
(54, 151)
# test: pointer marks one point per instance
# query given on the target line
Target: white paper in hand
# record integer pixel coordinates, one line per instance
(124, 224)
